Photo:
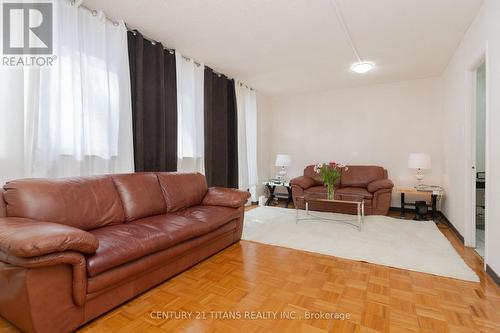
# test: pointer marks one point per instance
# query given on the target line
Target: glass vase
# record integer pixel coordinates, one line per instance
(329, 191)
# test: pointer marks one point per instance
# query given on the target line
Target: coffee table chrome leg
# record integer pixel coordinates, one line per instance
(359, 217)
(362, 214)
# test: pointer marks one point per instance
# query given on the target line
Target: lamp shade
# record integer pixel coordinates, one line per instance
(419, 161)
(282, 160)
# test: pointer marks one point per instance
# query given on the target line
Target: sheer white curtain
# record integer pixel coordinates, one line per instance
(78, 113)
(190, 123)
(11, 124)
(246, 100)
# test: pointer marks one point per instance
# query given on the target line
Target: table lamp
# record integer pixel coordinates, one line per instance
(282, 161)
(420, 162)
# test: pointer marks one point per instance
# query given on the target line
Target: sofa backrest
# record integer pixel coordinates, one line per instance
(3, 208)
(182, 190)
(140, 194)
(309, 172)
(85, 203)
(361, 175)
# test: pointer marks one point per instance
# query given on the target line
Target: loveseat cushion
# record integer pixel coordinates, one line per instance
(361, 175)
(315, 189)
(182, 190)
(84, 203)
(354, 191)
(140, 194)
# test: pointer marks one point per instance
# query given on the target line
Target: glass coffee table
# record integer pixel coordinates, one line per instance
(346, 204)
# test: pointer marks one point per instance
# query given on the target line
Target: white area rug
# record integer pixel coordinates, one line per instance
(416, 246)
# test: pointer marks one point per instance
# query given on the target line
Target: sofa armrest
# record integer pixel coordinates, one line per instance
(303, 182)
(380, 184)
(74, 259)
(227, 197)
(25, 238)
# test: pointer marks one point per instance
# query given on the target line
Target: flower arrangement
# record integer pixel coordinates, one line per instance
(330, 172)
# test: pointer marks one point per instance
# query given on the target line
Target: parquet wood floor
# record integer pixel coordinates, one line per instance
(256, 277)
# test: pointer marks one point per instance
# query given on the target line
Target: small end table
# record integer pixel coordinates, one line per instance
(271, 186)
(436, 192)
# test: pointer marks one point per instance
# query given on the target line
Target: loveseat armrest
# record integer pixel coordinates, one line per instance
(227, 197)
(303, 181)
(380, 184)
(26, 238)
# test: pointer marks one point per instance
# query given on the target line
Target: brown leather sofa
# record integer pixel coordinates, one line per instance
(369, 182)
(72, 249)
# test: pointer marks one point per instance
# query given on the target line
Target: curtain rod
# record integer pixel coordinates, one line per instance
(94, 12)
(152, 41)
(116, 23)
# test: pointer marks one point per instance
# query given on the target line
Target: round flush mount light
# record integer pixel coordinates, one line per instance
(362, 67)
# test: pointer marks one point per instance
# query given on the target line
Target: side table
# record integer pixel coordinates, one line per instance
(271, 186)
(435, 192)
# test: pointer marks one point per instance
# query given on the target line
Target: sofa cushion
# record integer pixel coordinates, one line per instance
(84, 203)
(354, 191)
(361, 175)
(140, 194)
(120, 244)
(211, 217)
(123, 243)
(176, 228)
(182, 190)
(159, 260)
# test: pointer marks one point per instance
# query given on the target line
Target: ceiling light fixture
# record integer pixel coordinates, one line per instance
(360, 66)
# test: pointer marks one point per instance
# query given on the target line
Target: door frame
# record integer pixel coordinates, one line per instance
(470, 150)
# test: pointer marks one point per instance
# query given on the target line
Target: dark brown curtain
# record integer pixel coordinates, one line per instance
(154, 104)
(221, 145)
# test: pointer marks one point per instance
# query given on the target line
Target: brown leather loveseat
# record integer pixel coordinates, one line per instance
(370, 182)
(72, 249)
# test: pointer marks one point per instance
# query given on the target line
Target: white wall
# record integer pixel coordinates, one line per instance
(373, 125)
(485, 30)
(481, 118)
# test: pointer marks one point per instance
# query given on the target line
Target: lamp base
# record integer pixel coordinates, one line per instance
(419, 176)
(281, 174)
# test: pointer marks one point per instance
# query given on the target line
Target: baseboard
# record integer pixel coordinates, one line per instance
(452, 227)
(397, 209)
(441, 218)
(493, 275)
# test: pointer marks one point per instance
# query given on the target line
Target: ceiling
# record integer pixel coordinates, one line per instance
(294, 46)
